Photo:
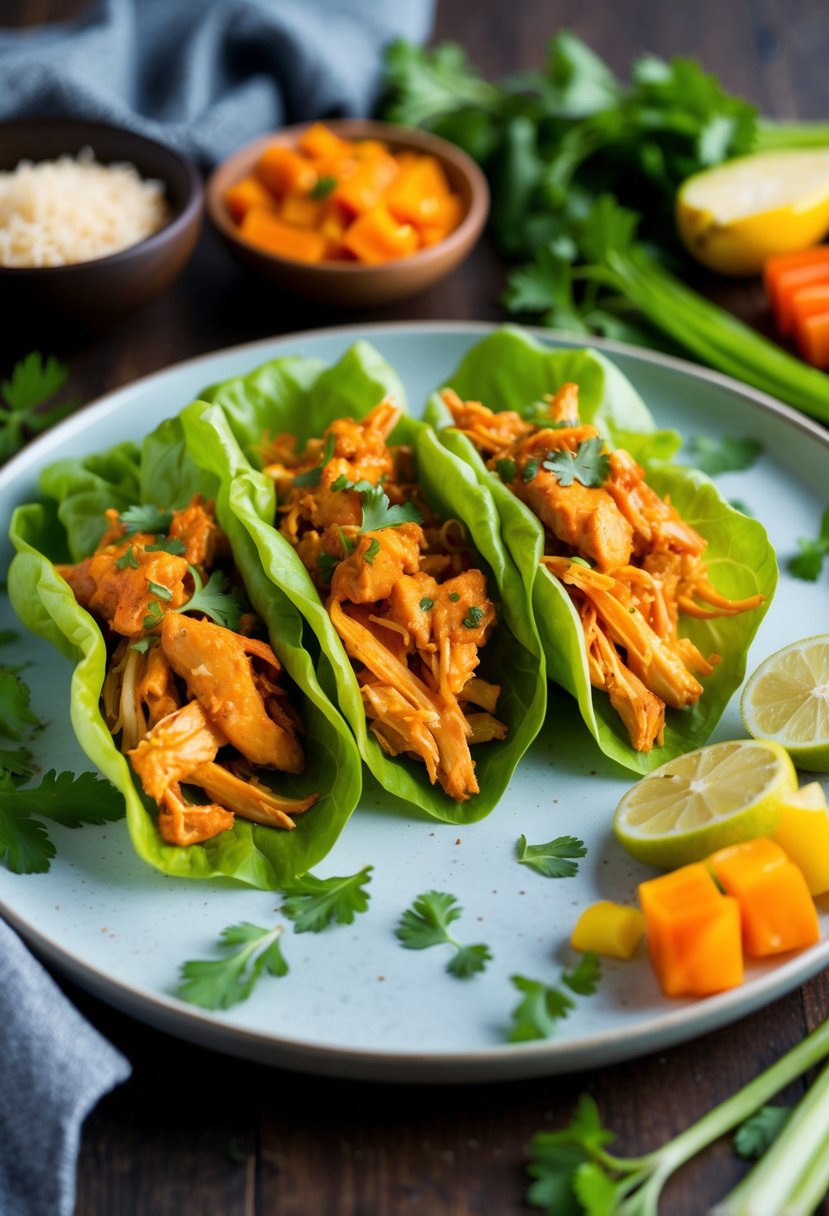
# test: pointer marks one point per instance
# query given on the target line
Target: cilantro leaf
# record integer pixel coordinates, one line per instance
(541, 1008)
(213, 599)
(808, 562)
(220, 983)
(584, 977)
(372, 551)
(24, 842)
(723, 454)
(530, 469)
(314, 476)
(556, 1160)
(551, 859)
(326, 563)
(17, 761)
(507, 468)
(595, 1189)
(71, 800)
(473, 617)
(589, 464)
(170, 544)
(146, 518)
(127, 558)
(33, 382)
(377, 514)
(315, 903)
(427, 923)
(753, 1137)
(15, 715)
(158, 589)
(324, 186)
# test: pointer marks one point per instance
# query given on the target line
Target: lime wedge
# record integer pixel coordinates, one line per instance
(787, 699)
(734, 217)
(702, 801)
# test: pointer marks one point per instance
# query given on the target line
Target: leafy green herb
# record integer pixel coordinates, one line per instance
(552, 859)
(427, 923)
(372, 550)
(753, 1137)
(377, 513)
(16, 717)
(127, 558)
(221, 983)
(315, 903)
(64, 798)
(143, 644)
(473, 617)
(589, 464)
(426, 604)
(530, 469)
(163, 593)
(314, 476)
(341, 483)
(213, 599)
(808, 563)
(326, 563)
(723, 454)
(17, 761)
(454, 597)
(324, 186)
(169, 544)
(542, 1006)
(34, 381)
(572, 1171)
(507, 469)
(146, 518)
(345, 540)
(154, 615)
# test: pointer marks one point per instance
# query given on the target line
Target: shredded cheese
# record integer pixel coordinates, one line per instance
(59, 212)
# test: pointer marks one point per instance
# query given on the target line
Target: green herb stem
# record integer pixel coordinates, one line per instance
(813, 1184)
(771, 135)
(787, 1163)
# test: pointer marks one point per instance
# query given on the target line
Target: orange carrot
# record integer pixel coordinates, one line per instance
(264, 229)
(247, 193)
(376, 236)
(812, 337)
(776, 909)
(281, 169)
(785, 275)
(363, 189)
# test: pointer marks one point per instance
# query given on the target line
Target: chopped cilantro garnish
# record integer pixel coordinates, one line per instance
(542, 1006)
(340, 483)
(427, 923)
(372, 550)
(34, 380)
(473, 617)
(158, 589)
(326, 563)
(15, 715)
(143, 644)
(808, 562)
(506, 469)
(551, 859)
(345, 540)
(377, 514)
(146, 518)
(213, 599)
(64, 798)
(426, 604)
(530, 469)
(154, 614)
(589, 464)
(170, 544)
(314, 476)
(127, 558)
(454, 597)
(325, 186)
(315, 903)
(220, 983)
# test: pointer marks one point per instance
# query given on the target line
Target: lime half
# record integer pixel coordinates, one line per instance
(787, 700)
(700, 802)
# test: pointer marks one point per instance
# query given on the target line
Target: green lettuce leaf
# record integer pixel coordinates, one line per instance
(288, 395)
(510, 370)
(164, 474)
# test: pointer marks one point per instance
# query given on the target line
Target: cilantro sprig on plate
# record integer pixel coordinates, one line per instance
(553, 859)
(24, 413)
(427, 923)
(542, 1006)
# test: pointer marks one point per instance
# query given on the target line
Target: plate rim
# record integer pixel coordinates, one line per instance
(500, 1061)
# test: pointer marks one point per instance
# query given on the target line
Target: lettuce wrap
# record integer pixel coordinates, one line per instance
(65, 526)
(508, 370)
(302, 397)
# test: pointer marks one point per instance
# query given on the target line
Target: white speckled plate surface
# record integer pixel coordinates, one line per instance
(355, 1003)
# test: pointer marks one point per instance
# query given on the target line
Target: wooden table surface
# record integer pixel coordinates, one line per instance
(199, 1134)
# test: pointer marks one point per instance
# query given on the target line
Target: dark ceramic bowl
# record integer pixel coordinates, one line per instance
(101, 291)
(350, 284)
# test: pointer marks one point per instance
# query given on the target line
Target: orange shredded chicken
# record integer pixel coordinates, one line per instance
(629, 562)
(194, 703)
(406, 599)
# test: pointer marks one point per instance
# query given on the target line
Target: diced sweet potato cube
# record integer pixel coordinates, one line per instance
(247, 193)
(268, 232)
(320, 142)
(776, 908)
(363, 189)
(376, 236)
(283, 170)
(302, 210)
(420, 194)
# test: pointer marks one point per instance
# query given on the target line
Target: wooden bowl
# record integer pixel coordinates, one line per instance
(352, 284)
(105, 289)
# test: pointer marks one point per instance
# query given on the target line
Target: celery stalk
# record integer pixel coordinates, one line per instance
(812, 1186)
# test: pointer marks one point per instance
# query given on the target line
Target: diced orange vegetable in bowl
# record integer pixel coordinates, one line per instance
(320, 143)
(376, 236)
(265, 229)
(803, 833)
(776, 908)
(282, 169)
(693, 931)
(614, 930)
(365, 187)
(247, 193)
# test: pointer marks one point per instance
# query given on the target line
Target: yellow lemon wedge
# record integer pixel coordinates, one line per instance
(734, 217)
(704, 800)
(787, 699)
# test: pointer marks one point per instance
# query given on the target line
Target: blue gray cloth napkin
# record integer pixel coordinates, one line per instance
(53, 1069)
(206, 76)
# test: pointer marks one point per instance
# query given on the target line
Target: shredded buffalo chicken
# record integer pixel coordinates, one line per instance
(630, 564)
(195, 704)
(404, 594)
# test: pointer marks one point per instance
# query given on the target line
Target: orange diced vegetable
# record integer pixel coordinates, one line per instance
(247, 193)
(776, 908)
(376, 237)
(320, 142)
(420, 193)
(811, 333)
(283, 170)
(362, 190)
(803, 834)
(302, 210)
(785, 275)
(266, 230)
(614, 930)
(693, 932)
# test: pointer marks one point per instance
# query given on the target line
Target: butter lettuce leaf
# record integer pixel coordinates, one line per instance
(510, 370)
(303, 398)
(162, 472)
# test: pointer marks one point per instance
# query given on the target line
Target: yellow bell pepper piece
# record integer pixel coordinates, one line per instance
(803, 834)
(610, 929)
(776, 908)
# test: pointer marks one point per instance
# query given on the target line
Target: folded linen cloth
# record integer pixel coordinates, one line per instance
(206, 75)
(54, 1067)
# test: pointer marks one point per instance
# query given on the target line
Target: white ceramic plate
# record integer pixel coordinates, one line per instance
(355, 1003)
